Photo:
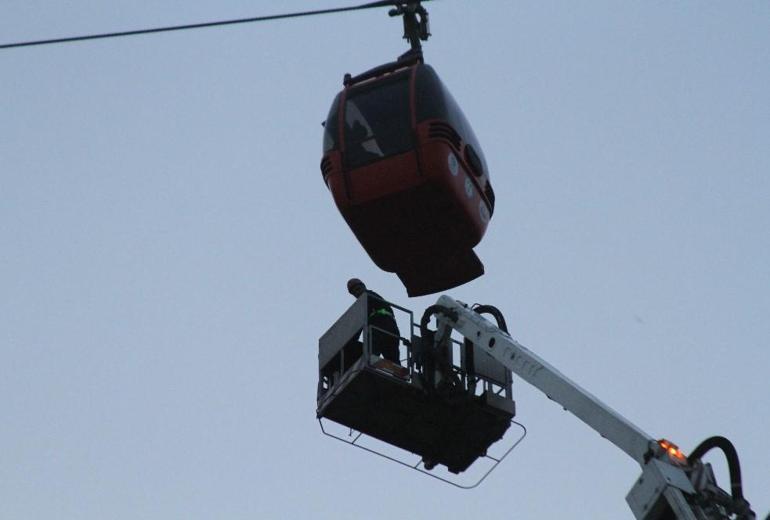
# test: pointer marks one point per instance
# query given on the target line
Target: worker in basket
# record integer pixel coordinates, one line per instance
(384, 332)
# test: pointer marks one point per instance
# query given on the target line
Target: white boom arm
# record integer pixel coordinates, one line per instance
(556, 386)
(661, 482)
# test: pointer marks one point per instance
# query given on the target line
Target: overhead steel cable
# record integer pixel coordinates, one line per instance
(370, 5)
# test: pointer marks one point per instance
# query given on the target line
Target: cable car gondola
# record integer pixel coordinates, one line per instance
(407, 172)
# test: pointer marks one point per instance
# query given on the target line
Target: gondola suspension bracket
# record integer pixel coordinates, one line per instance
(416, 24)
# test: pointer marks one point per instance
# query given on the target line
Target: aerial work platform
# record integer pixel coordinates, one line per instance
(450, 401)
(444, 404)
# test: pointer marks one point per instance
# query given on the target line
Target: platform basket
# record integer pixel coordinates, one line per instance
(452, 421)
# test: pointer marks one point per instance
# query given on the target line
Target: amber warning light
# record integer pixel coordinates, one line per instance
(673, 450)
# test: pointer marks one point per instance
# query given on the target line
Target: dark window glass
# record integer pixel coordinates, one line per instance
(377, 122)
(434, 101)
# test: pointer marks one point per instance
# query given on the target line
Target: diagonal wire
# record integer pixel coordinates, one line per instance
(69, 39)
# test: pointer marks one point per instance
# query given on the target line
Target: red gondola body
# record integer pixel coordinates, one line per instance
(408, 175)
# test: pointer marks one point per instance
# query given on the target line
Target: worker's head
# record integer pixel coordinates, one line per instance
(356, 287)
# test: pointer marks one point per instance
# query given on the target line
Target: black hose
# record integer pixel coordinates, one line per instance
(426, 357)
(732, 461)
(430, 311)
(494, 311)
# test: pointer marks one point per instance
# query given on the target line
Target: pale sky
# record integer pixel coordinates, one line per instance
(169, 255)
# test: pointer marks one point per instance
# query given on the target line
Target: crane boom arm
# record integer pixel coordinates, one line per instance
(555, 385)
(671, 485)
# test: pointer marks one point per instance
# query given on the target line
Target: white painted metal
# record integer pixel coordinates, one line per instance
(660, 481)
(556, 386)
(649, 495)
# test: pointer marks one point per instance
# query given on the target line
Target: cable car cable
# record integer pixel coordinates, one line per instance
(370, 5)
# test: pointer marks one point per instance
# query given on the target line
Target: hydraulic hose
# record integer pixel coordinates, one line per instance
(740, 505)
(494, 311)
(432, 310)
(732, 460)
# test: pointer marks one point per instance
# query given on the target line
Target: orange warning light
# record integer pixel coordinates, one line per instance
(673, 450)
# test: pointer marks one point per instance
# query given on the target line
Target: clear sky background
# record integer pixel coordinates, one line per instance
(169, 255)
